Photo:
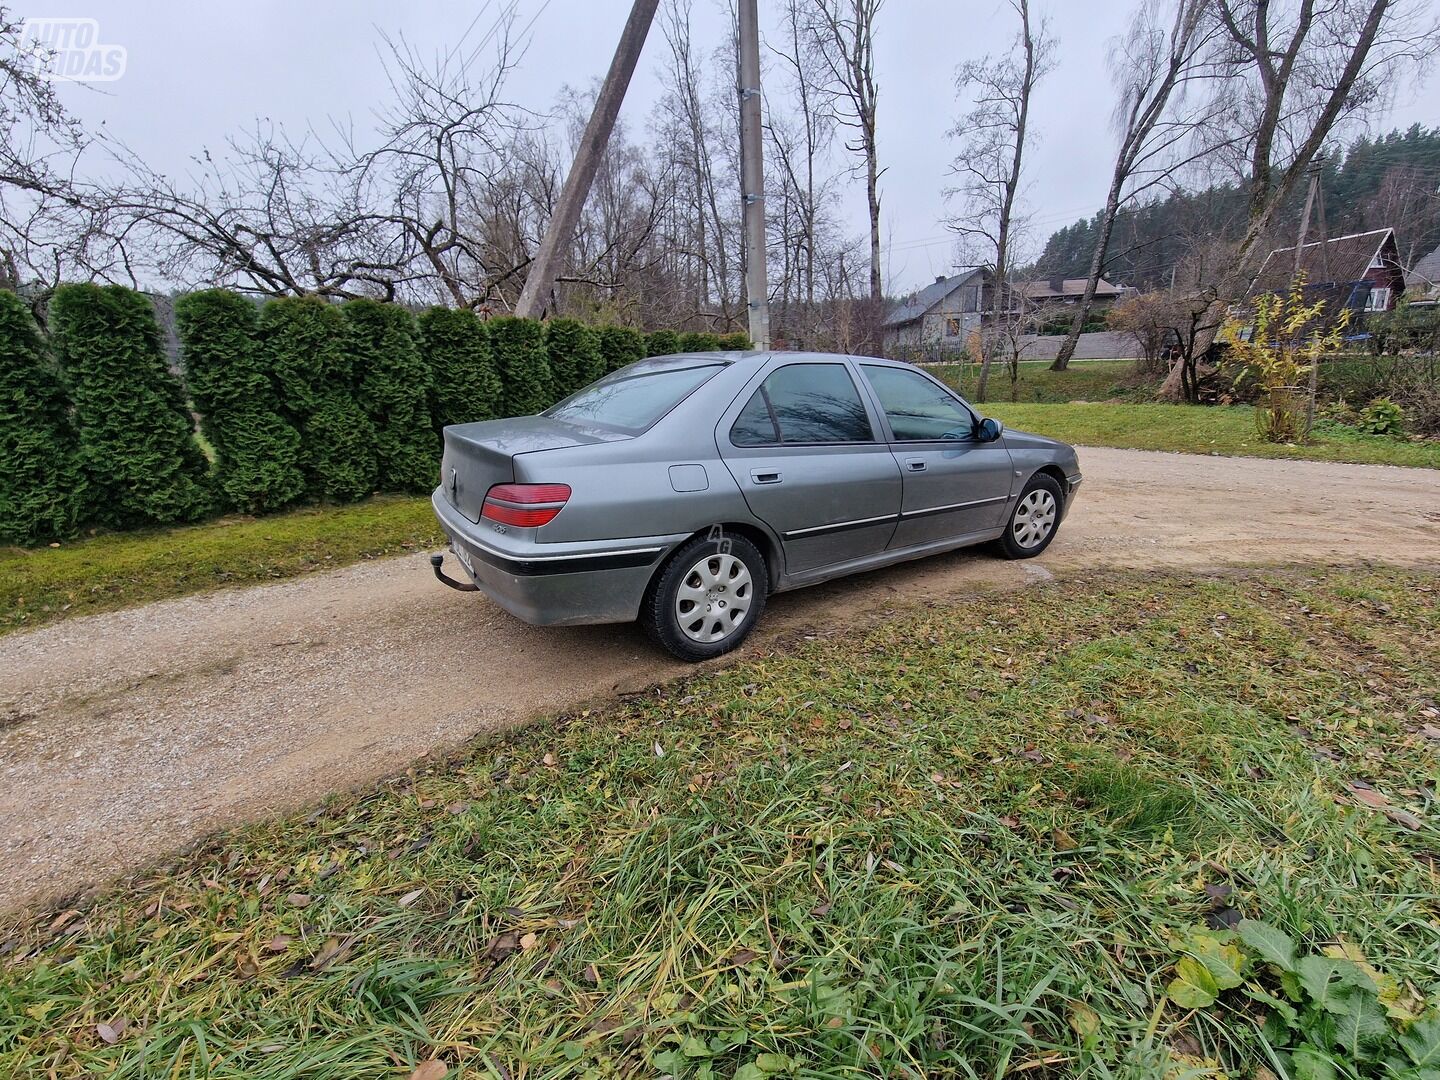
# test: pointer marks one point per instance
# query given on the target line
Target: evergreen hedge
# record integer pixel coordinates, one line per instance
(738, 341)
(621, 345)
(393, 387)
(41, 490)
(138, 450)
(257, 451)
(303, 350)
(700, 342)
(574, 353)
(662, 343)
(464, 387)
(523, 364)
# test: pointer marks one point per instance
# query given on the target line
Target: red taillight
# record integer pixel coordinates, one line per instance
(525, 505)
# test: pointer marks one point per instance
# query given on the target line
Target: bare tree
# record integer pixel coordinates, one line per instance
(1147, 66)
(990, 163)
(845, 32)
(1300, 72)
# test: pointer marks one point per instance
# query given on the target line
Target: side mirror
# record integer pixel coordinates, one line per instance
(989, 429)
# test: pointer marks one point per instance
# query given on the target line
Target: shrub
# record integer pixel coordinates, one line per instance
(621, 345)
(662, 343)
(1382, 417)
(463, 384)
(137, 447)
(739, 341)
(1287, 336)
(302, 349)
(699, 342)
(393, 387)
(523, 365)
(41, 491)
(257, 452)
(574, 352)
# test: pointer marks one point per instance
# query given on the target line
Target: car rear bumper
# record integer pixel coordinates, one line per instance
(554, 584)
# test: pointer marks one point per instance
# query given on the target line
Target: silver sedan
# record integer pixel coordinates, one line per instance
(683, 490)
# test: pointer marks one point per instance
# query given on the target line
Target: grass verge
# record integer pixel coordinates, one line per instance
(115, 570)
(1087, 380)
(1228, 430)
(965, 844)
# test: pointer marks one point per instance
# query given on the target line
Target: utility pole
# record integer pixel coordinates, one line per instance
(752, 176)
(535, 297)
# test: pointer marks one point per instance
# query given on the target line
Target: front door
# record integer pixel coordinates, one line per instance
(804, 451)
(954, 483)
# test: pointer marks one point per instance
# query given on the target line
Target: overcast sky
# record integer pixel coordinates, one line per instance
(199, 71)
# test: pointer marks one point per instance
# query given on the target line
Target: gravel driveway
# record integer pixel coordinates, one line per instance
(127, 736)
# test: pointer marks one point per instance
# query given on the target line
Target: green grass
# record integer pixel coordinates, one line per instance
(1227, 430)
(959, 844)
(114, 570)
(1087, 380)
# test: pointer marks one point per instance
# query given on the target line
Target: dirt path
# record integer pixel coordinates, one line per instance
(129, 735)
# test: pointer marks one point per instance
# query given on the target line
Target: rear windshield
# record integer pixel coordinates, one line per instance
(631, 402)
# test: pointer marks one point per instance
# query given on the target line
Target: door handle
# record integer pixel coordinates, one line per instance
(915, 464)
(765, 476)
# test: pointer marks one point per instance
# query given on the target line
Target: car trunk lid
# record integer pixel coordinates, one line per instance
(479, 456)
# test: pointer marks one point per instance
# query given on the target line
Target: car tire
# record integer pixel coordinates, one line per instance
(1034, 520)
(689, 609)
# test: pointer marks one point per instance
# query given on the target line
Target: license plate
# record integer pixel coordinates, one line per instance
(464, 557)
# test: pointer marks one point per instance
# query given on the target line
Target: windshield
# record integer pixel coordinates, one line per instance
(632, 403)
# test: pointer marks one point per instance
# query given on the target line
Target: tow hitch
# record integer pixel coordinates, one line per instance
(437, 561)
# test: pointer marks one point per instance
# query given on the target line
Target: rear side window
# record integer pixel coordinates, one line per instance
(632, 403)
(917, 409)
(804, 404)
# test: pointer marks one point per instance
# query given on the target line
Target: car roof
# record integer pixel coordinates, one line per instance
(752, 357)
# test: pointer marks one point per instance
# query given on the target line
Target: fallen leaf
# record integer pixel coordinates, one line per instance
(1063, 840)
(298, 899)
(335, 949)
(279, 943)
(63, 918)
(1403, 817)
(110, 1033)
(550, 760)
(410, 897)
(434, 1069)
(528, 942)
(504, 945)
(457, 807)
(592, 975)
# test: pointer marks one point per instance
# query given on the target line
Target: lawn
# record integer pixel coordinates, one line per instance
(1008, 839)
(1228, 430)
(1088, 380)
(114, 570)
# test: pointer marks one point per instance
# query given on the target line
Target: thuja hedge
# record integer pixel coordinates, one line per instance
(257, 449)
(138, 453)
(296, 399)
(41, 492)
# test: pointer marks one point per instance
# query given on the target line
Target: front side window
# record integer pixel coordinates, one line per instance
(632, 402)
(803, 404)
(917, 409)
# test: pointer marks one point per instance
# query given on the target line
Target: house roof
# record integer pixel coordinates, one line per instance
(1345, 258)
(918, 303)
(1057, 288)
(1424, 276)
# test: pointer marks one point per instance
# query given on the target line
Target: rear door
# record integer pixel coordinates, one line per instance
(803, 444)
(954, 483)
